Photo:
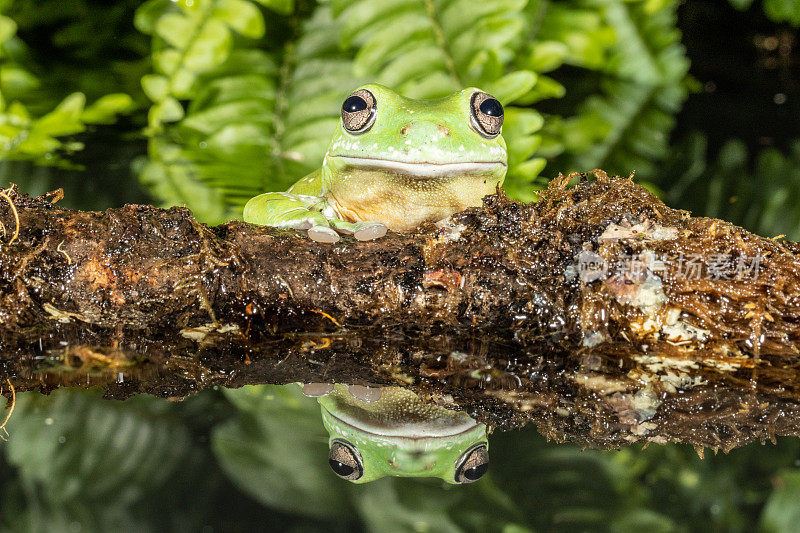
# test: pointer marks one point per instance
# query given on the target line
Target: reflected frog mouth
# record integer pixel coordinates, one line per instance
(422, 168)
(412, 431)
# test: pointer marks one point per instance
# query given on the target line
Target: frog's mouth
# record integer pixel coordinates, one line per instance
(407, 431)
(423, 169)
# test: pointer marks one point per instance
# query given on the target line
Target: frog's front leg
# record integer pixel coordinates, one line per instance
(307, 213)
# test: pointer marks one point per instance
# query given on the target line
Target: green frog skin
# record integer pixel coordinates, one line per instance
(391, 432)
(394, 163)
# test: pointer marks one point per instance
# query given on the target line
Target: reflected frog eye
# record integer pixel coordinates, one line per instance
(345, 460)
(487, 115)
(473, 464)
(358, 111)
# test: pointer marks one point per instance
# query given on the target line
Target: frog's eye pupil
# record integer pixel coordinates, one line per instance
(341, 469)
(476, 472)
(354, 104)
(491, 107)
(358, 112)
(487, 115)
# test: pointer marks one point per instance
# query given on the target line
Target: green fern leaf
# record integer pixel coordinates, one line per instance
(26, 137)
(277, 435)
(127, 452)
(625, 127)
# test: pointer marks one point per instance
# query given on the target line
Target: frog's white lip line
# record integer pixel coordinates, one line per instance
(422, 168)
(407, 437)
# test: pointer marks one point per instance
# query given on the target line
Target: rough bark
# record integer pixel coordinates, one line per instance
(598, 313)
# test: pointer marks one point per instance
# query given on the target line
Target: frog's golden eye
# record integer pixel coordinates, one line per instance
(487, 115)
(345, 460)
(473, 464)
(358, 111)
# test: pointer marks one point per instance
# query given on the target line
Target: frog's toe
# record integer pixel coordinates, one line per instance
(317, 390)
(323, 234)
(367, 231)
(365, 394)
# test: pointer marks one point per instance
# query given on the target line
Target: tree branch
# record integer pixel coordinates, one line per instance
(598, 313)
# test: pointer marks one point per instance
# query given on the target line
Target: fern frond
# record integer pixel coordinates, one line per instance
(27, 137)
(626, 130)
(624, 127)
(137, 469)
(571, 33)
(320, 80)
(402, 43)
(276, 434)
(127, 452)
(212, 152)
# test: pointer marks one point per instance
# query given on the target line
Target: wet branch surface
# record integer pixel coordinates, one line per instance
(598, 313)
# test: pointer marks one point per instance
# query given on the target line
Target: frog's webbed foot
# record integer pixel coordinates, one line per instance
(361, 231)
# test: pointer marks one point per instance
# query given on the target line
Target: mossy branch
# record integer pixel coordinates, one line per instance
(598, 313)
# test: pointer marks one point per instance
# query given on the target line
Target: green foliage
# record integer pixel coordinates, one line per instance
(623, 126)
(759, 193)
(87, 46)
(67, 475)
(210, 153)
(190, 38)
(570, 33)
(776, 10)
(276, 435)
(25, 136)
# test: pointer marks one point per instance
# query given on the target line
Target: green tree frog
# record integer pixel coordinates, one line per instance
(390, 431)
(394, 163)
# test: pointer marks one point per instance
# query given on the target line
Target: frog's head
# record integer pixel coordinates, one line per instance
(452, 136)
(400, 435)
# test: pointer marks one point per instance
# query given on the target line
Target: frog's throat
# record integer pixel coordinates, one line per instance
(421, 169)
(409, 432)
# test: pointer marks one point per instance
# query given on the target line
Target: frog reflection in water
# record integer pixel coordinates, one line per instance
(394, 162)
(390, 431)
